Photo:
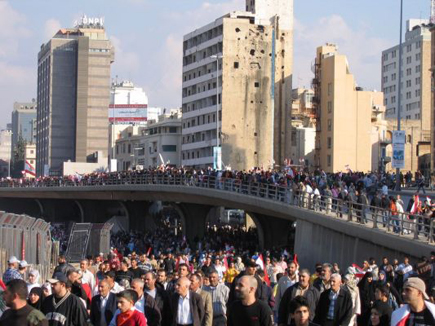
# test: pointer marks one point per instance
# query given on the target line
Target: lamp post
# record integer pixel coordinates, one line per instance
(217, 57)
(399, 101)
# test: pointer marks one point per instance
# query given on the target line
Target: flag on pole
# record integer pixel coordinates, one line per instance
(149, 251)
(359, 272)
(416, 206)
(225, 263)
(266, 276)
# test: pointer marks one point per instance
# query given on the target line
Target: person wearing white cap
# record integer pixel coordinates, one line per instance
(12, 272)
(22, 268)
(417, 310)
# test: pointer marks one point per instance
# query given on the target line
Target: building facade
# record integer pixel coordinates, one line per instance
(5, 152)
(344, 115)
(159, 142)
(416, 76)
(73, 96)
(23, 123)
(237, 87)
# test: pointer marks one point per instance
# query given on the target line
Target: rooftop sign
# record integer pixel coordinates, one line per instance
(85, 21)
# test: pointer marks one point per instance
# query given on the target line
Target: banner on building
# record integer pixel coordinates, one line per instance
(29, 170)
(398, 161)
(128, 113)
(217, 158)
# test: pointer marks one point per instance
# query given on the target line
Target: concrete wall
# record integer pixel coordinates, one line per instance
(346, 245)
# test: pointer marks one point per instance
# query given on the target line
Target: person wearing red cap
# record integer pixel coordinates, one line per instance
(417, 310)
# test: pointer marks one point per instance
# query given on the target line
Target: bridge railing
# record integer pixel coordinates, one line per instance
(403, 223)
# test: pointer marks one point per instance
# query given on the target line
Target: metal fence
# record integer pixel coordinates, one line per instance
(403, 224)
(28, 239)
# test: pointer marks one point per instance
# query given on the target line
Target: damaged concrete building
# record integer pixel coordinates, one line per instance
(237, 88)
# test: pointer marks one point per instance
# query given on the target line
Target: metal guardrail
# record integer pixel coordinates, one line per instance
(403, 224)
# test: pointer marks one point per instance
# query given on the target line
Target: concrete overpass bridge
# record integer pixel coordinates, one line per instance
(320, 236)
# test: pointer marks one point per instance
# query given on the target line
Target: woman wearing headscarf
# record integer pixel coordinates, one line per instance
(46, 290)
(367, 295)
(35, 298)
(395, 299)
(33, 280)
(351, 284)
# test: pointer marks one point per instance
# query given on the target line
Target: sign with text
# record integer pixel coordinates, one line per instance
(399, 137)
(398, 161)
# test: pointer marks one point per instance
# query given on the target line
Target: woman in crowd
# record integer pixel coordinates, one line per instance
(35, 298)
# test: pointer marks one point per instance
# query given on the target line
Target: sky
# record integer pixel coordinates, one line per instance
(147, 35)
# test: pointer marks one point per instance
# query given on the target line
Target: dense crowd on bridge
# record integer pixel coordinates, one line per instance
(159, 278)
(364, 197)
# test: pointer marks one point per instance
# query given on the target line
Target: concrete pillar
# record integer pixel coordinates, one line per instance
(272, 232)
(138, 215)
(193, 219)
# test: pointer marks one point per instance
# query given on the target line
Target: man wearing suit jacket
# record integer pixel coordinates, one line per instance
(146, 304)
(187, 307)
(103, 305)
(195, 286)
(159, 294)
(335, 305)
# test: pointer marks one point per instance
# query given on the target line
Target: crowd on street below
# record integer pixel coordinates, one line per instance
(158, 278)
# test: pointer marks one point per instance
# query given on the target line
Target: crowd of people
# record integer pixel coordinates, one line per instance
(157, 279)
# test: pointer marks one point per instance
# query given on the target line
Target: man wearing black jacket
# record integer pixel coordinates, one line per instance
(194, 315)
(301, 288)
(63, 266)
(146, 303)
(159, 294)
(103, 305)
(335, 305)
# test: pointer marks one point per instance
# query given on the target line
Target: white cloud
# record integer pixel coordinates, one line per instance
(12, 29)
(363, 51)
(51, 27)
(126, 62)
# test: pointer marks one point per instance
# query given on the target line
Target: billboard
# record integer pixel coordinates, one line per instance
(128, 113)
(398, 160)
(217, 158)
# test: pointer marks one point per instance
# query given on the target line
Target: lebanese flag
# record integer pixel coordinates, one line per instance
(295, 260)
(149, 251)
(416, 206)
(359, 272)
(88, 290)
(226, 263)
(2, 285)
(266, 276)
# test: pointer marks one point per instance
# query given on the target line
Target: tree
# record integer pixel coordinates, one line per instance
(17, 164)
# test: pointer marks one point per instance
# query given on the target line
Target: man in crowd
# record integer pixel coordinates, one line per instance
(162, 279)
(103, 305)
(63, 307)
(183, 271)
(186, 306)
(88, 278)
(219, 296)
(114, 286)
(146, 304)
(322, 283)
(158, 294)
(286, 281)
(301, 288)
(417, 310)
(195, 286)
(62, 266)
(300, 312)
(335, 305)
(382, 294)
(135, 270)
(12, 272)
(250, 270)
(248, 310)
(124, 273)
(19, 312)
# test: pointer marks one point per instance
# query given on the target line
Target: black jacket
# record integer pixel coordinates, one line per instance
(63, 268)
(196, 308)
(152, 311)
(111, 306)
(162, 302)
(312, 295)
(342, 310)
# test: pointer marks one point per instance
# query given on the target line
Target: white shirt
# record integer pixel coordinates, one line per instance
(104, 301)
(184, 315)
(88, 278)
(152, 293)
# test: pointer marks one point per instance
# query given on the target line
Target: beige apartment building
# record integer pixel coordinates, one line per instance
(73, 96)
(347, 117)
(237, 87)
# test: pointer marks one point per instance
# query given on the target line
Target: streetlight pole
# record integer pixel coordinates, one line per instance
(217, 57)
(399, 101)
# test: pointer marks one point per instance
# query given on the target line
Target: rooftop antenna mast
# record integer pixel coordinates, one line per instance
(432, 11)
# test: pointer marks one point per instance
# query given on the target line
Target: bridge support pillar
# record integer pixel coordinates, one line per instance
(193, 219)
(138, 215)
(272, 232)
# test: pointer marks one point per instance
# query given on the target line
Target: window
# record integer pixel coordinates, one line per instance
(418, 57)
(236, 65)
(409, 48)
(408, 60)
(172, 130)
(257, 84)
(329, 124)
(418, 81)
(418, 68)
(169, 148)
(329, 107)
(408, 83)
(393, 76)
(329, 142)
(330, 89)
(329, 160)
(408, 71)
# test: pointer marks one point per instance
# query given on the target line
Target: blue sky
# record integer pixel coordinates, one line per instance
(148, 35)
